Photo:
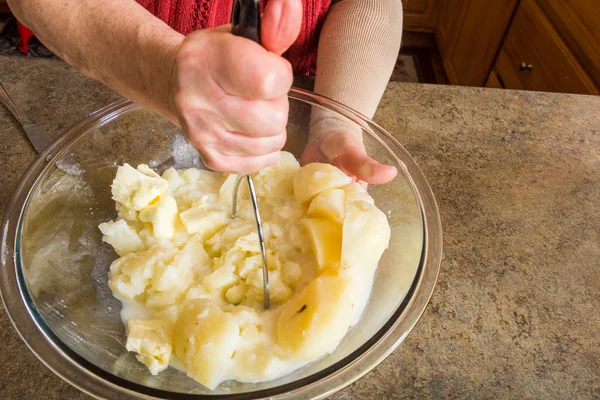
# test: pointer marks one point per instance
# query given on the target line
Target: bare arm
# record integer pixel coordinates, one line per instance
(228, 93)
(114, 41)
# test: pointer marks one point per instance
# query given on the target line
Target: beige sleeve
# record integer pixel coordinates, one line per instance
(358, 48)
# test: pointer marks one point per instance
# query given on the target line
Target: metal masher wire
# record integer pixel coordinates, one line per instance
(261, 237)
(245, 22)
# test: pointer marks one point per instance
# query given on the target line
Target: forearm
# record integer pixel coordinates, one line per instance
(358, 48)
(114, 41)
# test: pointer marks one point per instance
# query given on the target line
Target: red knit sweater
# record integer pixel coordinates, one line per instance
(186, 16)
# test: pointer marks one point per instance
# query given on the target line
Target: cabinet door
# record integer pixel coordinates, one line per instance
(534, 57)
(578, 23)
(469, 34)
(450, 17)
(493, 81)
(479, 40)
(418, 15)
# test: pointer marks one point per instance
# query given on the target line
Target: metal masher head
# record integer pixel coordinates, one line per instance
(261, 237)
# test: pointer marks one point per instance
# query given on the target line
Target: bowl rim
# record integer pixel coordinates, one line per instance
(99, 383)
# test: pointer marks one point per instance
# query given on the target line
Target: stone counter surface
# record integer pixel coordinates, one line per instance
(517, 179)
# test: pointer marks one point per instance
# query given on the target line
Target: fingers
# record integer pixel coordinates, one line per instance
(362, 167)
(231, 98)
(347, 152)
(238, 144)
(245, 69)
(239, 164)
(281, 23)
(254, 117)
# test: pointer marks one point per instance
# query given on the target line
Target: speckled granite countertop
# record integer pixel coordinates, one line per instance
(517, 178)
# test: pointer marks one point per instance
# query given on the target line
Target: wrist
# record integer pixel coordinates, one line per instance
(324, 122)
(158, 45)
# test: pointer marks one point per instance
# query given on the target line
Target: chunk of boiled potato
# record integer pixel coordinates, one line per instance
(226, 190)
(177, 275)
(352, 198)
(236, 293)
(256, 364)
(163, 216)
(279, 292)
(191, 174)
(170, 276)
(314, 322)
(291, 272)
(159, 300)
(353, 188)
(136, 188)
(314, 178)
(121, 236)
(202, 221)
(131, 274)
(277, 180)
(226, 237)
(222, 278)
(152, 340)
(356, 192)
(126, 213)
(328, 204)
(198, 292)
(194, 255)
(248, 243)
(326, 239)
(205, 339)
(172, 176)
(365, 236)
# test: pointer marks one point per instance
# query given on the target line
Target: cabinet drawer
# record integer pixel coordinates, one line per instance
(534, 57)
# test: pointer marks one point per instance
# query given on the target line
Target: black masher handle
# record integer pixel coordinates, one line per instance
(245, 19)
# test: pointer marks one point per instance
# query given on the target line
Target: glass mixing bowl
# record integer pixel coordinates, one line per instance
(54, 264)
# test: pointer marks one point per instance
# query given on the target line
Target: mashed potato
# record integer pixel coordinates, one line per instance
(190, 277)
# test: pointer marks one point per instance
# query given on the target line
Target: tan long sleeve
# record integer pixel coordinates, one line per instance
(358, 48)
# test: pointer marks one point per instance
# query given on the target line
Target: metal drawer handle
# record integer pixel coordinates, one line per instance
(524, 66)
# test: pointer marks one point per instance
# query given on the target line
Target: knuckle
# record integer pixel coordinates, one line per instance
(282, 140)
(213, 161)
(263, 85)
(266, 118)
(227, 141)
(279, 116)
(269, 160)
(271, 78)
(275, 144)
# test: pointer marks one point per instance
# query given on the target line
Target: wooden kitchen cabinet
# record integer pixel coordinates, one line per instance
(493, 81)
(535, 57)
(578, 24)
(545, 45)
(451, 15)
(469, 34)
(418, 15)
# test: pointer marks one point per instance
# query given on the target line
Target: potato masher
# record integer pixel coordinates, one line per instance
(245, 22)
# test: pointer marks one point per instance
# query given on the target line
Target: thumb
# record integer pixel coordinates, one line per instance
(358, 164)
(281, 24)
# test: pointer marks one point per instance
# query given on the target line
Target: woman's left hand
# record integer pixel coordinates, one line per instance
(346, 151)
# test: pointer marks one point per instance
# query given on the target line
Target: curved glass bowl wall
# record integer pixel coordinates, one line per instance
(54, 275)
